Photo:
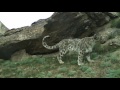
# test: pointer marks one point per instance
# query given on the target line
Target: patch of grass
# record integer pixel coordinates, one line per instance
(49, 74)
(48, 67)
(74, 62)
(41, 75)
(105, 64)
(62, 69)
(72, 73)
(6, 72)
(93, 55)
(115, 57)
(106, 59)
(41, 60)
(52, 67)
(84, 68)
(115, 23)
(90, 71)
(113, 73)
(114, 60)
(59, 76)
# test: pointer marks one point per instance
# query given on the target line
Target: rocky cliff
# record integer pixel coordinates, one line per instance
(59, 26)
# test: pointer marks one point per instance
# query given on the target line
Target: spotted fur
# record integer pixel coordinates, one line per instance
(82, 46)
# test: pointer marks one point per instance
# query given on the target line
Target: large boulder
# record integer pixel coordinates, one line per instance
(59, 26)
(19, 39)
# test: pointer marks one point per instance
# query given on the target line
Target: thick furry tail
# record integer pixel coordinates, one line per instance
(47, 46)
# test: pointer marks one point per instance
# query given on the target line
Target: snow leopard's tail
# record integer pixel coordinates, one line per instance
(47, 46)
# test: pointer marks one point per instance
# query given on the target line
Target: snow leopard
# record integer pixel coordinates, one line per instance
(82, 46)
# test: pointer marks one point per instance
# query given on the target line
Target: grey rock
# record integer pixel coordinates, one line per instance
(3, 29)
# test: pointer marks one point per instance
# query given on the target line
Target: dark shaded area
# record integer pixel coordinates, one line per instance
(8, 50)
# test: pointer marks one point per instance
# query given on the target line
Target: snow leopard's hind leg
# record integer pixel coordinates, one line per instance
(80, 58)
(61, 54)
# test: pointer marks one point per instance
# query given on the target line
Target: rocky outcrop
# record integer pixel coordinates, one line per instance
(59, 26)
(3, 29)
(18, 39)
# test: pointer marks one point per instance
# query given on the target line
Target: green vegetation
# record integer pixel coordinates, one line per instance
(116, 23)
(105, 66)
(71, 73)
(113, 73)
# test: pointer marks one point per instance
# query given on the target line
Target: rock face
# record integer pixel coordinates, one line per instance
(3, 28)
(59, 26)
